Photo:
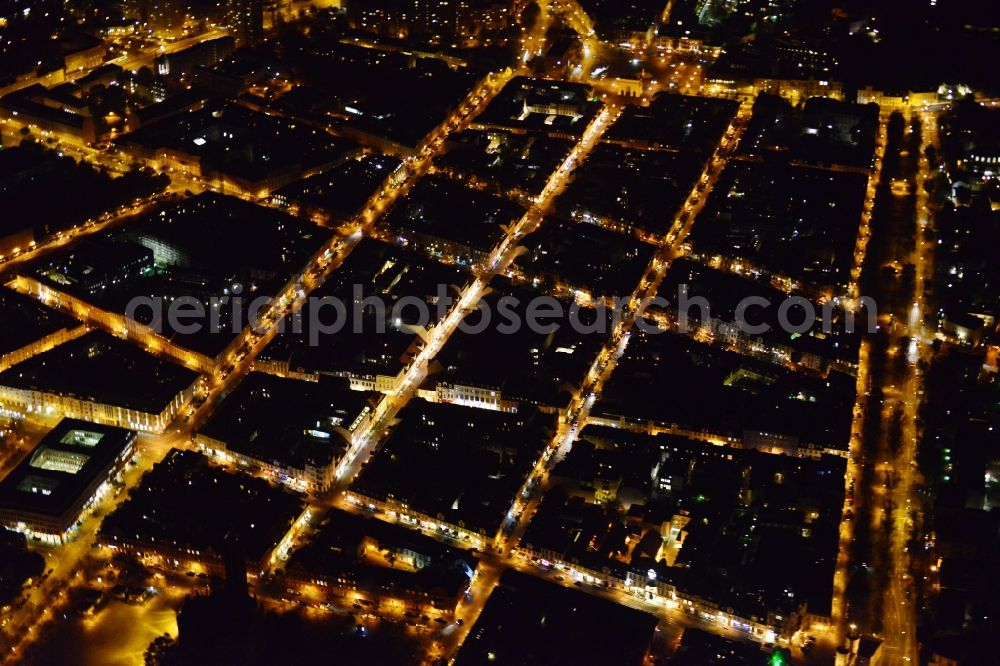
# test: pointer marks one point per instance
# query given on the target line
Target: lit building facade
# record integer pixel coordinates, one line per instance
(245, 19)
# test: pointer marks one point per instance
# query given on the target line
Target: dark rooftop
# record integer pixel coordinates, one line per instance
(185, 502)
(777, 58)
(100, 368)
(504, 161)
(207, 247)
(615, 18)
(725, 291)
(341, 191)
(786, 508)
(675, 122)
(293, 422)
(338, 549)
(674, 379)
(701, 648)
(823, 132)
(24, 320)
(386, 94)
(461, 464)
(530, 622)
(439, 209)
(631, 189)
(538, 359)
(369, 341)
(242, 143)
(95, 265)
(585, 257)
(795, 221)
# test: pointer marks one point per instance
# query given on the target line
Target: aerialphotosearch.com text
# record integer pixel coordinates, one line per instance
(324, 316)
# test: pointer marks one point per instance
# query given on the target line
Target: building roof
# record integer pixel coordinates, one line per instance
(100, 368)
(238, 142)
(367, 342)
(524, 352)
(524, 104)
(675, 122)
(290, 422)
(24, 320)
(25, 102)
(531, 622)
(796, 221)
(463, 464)
(726, 291)
(186, 502)
(68, 460)
(700, 648)
(441, 208)
(759, 397)
(336, 550)
(343, 190)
